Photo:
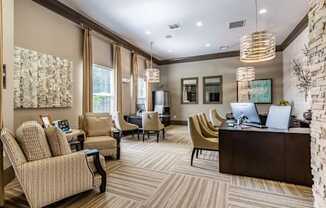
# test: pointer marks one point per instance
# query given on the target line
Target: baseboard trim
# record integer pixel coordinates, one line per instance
(178, 122)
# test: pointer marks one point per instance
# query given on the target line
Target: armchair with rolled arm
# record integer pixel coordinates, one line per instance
(51, 179)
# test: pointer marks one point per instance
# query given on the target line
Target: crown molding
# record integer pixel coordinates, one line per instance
(301, 26)
(74, 16)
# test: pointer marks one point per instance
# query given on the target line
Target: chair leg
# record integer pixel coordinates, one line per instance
(148, 135)
(138, 134)
(192, 156)
(143, 135)
(197, 151)
(200, 152)
(158, 136)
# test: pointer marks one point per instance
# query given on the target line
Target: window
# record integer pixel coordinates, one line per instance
(141, 94)
(103, 89)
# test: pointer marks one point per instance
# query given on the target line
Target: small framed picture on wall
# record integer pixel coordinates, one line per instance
(46, 120)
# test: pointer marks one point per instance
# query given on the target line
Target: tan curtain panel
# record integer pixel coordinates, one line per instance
(1, 64)
(87, 72)
(149, 102)
(117, 65)
(134, 82)
(102, 51)
(2, 183)
(126, 76)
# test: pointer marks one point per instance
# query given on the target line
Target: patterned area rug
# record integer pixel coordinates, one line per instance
(159, 175)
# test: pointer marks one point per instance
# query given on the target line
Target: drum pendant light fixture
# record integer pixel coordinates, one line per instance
(152, 74)
(258, 46)
(245, 74)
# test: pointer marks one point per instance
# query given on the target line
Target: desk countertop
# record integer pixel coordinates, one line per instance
(290, 130)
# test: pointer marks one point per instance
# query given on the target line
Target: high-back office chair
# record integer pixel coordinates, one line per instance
(216, 118)
(199, 141)
(151, 123)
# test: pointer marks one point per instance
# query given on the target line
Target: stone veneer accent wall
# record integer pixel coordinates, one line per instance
(317, 44)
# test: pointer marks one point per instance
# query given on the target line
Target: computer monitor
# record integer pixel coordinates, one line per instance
(245, 109)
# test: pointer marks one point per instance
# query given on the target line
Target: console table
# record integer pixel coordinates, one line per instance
(282, 155)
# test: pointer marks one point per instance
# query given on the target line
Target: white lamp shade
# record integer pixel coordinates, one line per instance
(245, 74)
(153, 75)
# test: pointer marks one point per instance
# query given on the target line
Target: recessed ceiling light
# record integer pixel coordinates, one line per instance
(199, 23)
(262, 11)
(148, 32)
(170, 51)
(208, 45)
(224, 47)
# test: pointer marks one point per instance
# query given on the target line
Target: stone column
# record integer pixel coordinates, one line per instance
(317, 45)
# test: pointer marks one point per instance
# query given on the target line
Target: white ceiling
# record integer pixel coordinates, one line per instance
(132, 18)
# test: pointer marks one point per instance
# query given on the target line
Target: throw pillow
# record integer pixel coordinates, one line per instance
(57, 141)
(98, 126)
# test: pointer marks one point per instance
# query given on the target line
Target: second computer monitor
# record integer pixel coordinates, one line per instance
(248, 110)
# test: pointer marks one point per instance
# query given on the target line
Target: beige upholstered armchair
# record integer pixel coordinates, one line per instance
(205, 130)
(44, 178)
(151, 123)
(99, 134)
(216, 119)
(124, 126)
(199, 141)
(208, 123)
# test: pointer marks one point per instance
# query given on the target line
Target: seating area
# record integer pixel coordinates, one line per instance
(162, 104)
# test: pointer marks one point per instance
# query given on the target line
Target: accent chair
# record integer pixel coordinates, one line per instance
(199, 141)
(124, 126)
(151, 123)
(44, 178)
(98, 128)
(208, 123)
(216, 118)
(206, 131)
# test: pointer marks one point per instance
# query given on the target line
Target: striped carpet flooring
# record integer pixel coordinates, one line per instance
(159, 175)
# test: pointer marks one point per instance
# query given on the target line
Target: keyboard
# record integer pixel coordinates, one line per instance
(255, 125)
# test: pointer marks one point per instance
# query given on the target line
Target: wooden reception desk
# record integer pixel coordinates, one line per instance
(281, 155)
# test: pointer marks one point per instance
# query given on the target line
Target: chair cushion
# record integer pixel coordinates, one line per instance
(57, 141)
(32, 140)
(98, 126)
(100, 142)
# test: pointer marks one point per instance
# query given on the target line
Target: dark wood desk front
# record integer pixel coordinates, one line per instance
(266, 153)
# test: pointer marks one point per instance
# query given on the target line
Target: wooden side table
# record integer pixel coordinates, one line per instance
(76, 138)
(116, 135)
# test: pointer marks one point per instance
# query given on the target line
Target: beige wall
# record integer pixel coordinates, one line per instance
(290, 90)
(171, 80)
(40, 29)
(8, 37)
